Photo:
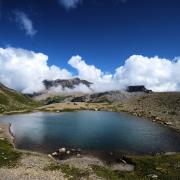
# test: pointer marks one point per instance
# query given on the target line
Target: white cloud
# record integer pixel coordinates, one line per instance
(101, 81)
(24, 70)
(85, 71)
(25, 23)
(78, 88)
(69, 4)
(158, 74)
(155, 73)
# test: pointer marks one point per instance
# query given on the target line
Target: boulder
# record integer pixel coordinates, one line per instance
(54, 154)
(62, 150)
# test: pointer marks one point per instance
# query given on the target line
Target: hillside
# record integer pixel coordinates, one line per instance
(11, 100)
(163, 107)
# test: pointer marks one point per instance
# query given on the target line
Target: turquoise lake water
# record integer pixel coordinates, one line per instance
(92, 131)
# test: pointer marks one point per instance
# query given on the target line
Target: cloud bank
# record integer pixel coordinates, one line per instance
(25, 23)
(24, 71)
(158, 74)
(69, 4)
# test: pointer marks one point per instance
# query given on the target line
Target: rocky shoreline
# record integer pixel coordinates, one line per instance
(6, 133)
(36, 163)
(114, 107)
(77, 164)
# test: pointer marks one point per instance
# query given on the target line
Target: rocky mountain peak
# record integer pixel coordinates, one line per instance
(65, 83)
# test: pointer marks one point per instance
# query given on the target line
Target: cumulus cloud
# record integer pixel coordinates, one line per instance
(25, 23)
(78, 88)
(69, 4)
(158, 74)
(24, 70)
(101, 81)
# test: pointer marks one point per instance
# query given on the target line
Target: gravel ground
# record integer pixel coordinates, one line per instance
(31, 167)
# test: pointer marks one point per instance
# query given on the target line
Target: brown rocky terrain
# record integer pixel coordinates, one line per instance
(160, 107)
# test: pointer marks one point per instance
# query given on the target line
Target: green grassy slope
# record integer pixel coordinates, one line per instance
(11, 100)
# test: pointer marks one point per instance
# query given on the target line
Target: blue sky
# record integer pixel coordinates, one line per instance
(105, 33)
(119, 42)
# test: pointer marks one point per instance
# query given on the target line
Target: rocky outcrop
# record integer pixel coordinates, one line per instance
(140, 88)
(65, 83)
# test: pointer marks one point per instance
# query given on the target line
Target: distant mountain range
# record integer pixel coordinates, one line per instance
(11, 100)
(65, 83)
(72, 83)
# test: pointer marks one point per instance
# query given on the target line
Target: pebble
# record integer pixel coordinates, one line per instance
(50, 156)
(154, 176)
(68, 152)
(124, 162)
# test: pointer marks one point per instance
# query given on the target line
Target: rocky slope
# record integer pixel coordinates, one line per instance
(11, 100)
(162, 107)
(108, 96)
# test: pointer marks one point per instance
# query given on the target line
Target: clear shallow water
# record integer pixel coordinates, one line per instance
(89, 130)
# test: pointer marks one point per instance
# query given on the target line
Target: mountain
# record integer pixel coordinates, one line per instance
(108, 96)
(66, 83)
(11, 100)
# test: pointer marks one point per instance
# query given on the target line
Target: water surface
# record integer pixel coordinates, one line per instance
(89, 130)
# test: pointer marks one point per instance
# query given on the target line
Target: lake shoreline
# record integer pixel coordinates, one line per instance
(40, 166)
(70, 107)
(114, 107)
(104, 155)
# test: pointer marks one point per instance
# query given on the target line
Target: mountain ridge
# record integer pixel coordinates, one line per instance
(11, 100)
(65, 83)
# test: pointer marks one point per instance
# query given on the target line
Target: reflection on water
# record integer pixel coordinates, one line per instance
(107, 131)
